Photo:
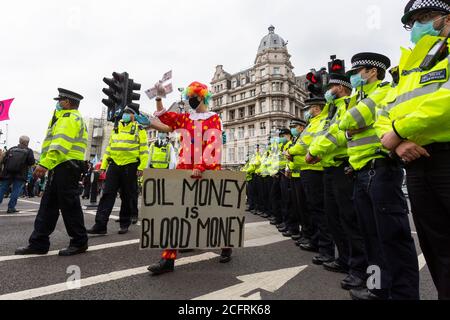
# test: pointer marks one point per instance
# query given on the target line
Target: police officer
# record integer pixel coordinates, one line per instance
(312, 180)
(298, 213)
(249, 169)
(280, 164)
(331, 149)
(415, 124)
(162, 154)
(126, 157)
(379, 199)
(63, 157)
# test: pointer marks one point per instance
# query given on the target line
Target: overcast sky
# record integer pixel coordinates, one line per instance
(48, 44)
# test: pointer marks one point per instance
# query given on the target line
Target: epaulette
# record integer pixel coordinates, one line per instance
(384, 84)
(67, 115)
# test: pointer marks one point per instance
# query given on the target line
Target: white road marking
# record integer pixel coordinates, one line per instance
(271, 281)
(54, 253)
(251, 229)
(422, 262)
(28, 201)
(113, 276)
(18, 215)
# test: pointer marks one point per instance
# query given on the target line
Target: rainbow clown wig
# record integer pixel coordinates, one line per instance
(197, 89)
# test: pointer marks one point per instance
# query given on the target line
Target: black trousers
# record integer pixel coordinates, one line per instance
(125, 179)
(301, 209)
(288, 204)
(383, 213)
(267, 185)
(259, 193)
(314, 189)
(428, 182)
(275, 198)
(343, 220)
(62, 193)
(251, 194)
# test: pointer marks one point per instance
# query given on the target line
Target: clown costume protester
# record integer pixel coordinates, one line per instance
(200, 149)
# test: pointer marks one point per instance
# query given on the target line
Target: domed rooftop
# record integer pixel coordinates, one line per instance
(270, 41)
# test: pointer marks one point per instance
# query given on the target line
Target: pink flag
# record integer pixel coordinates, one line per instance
(4, 109)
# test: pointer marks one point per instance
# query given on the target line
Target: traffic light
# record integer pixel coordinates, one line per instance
(317, 82)
(120, 94)
(131, 95)
(116, 93)
(336, 66)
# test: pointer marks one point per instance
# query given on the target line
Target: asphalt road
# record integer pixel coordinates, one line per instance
(270, 267)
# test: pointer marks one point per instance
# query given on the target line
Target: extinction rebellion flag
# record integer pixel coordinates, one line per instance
(4, 109)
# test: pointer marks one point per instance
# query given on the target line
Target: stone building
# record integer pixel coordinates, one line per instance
(255, 102)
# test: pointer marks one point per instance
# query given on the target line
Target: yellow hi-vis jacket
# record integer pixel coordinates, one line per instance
(419, 107)
(128, 145)
(301, 147)
(160, 156)
(279, 160)
(66, 139)
(331, 147)
(365, 146)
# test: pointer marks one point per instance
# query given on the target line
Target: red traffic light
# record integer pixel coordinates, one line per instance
(311, 77)
(336, 67)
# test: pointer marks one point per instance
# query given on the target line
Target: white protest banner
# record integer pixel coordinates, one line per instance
(179, 212)
(167, 76)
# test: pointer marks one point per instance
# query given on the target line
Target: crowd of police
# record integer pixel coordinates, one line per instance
(333, 183)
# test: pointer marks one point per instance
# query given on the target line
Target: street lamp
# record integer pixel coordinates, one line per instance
(181, 104)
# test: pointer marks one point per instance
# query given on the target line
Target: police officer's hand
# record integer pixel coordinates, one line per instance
(196, 174)
(140, 173)
(39, 172)
(408, 151)
(311, 159)
(391, 140)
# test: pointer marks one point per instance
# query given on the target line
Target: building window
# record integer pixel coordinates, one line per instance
(291, 108)
(231, 155)
(251, 150)
(234, 84)
(263, 106)
(264, 88)
(241, 113)
(253, 78)
(241, 154)
(243, 95)
(233, 98)
(276, 70)
(277, 105)
(263, 128)
(231, 135)
(251, 111)
(297, 112)
(252, 93)
(244, 81)
(251, 131)
(277, 86)
(263, 73)
(231, 115)
(241, 133)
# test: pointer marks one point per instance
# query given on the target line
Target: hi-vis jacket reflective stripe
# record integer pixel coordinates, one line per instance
(365, 146)
(160, 157)
(66, 139)
(245, 168)
(280, 161)
(419, 107)
(331, 147)
(301, 147)
(129, 145)
(266, 163)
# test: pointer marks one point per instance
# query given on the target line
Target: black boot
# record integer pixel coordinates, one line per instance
(97, 230)
(225, 255)
(163, 266)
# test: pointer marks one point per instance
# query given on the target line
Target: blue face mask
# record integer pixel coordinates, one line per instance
(283, 140)
(295, 132)
(420, 30)
(275, 140)
(58, 106)
(126, 117)
(308, 116)
(330, 97)
(357, 80)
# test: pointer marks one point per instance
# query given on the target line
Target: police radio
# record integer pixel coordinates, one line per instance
(436, 54)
